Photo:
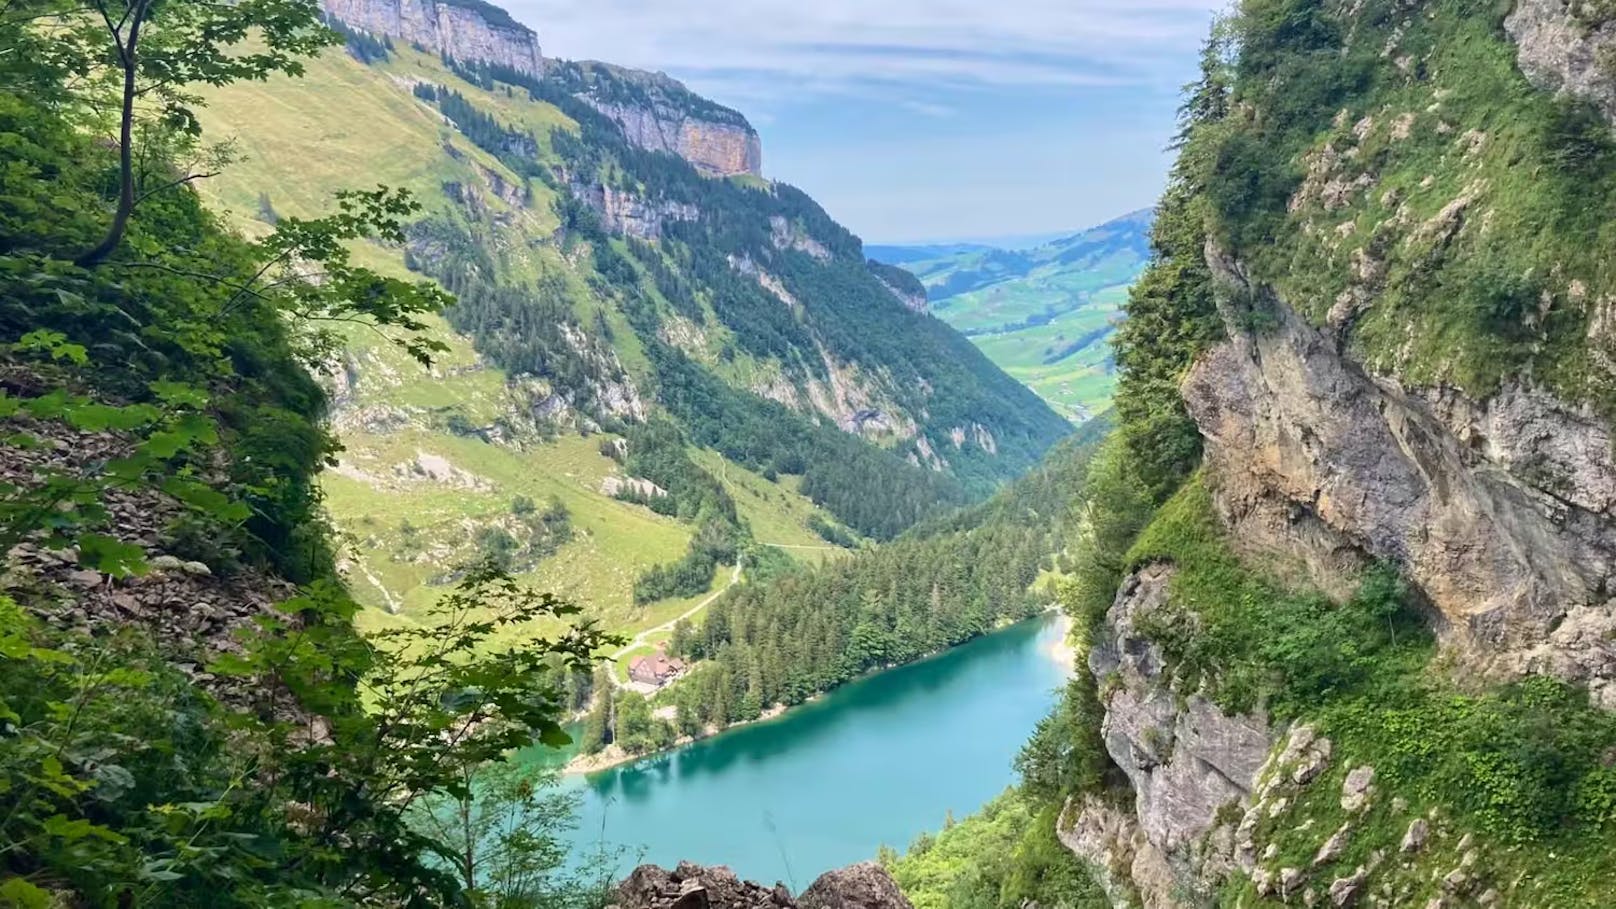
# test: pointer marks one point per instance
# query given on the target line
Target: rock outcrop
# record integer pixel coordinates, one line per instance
(658, 113)
(1185, 759)
(626, 214)
(1561, 49)
(1502, 512)
(463, 29)
(690, 886)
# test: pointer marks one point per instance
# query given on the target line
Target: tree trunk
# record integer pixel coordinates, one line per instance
(126, 136)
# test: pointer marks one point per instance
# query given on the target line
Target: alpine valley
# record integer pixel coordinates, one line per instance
(420, 451)
(1044, 314)
(661, 365)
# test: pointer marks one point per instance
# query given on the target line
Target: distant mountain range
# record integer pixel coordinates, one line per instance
(1043, 314)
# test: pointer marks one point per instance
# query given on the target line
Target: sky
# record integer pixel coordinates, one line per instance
(924, 120)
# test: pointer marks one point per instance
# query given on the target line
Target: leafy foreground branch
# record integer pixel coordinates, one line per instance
(127, 784)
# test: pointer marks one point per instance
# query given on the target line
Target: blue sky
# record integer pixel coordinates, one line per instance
(917, 120)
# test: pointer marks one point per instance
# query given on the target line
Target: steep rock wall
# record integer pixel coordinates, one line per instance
(715, 149)
(1503, 512)
(1185, 760)
(463, 30)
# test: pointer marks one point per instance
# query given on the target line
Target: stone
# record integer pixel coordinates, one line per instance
(1289, 880)
(1357, 788)
(1262, 880)
(196, 568)
(1490, 897)
(1344, 891)
(165, 563)
(84, 577)
(865, 885)
(1456, 881)
(1334, 846)
(1560, 54)
(1185, 758)
(1418, 832)
(1500, 511)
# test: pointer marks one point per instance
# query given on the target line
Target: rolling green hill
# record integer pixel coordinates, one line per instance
(602, 285)
(1045, 314)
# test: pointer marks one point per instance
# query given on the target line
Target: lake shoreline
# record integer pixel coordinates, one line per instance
(612, 756)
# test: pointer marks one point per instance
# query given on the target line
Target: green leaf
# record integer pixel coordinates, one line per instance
(555, 737)
(74, 830)
(20, 894)
(110, 556)
(178, 394)
(207, 499)
(88, 417)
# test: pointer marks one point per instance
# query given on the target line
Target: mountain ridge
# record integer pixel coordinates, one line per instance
(602, 282)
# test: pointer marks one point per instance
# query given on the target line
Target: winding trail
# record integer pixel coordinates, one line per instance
(639, 640)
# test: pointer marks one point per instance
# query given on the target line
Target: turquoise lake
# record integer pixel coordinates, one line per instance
(875, 762)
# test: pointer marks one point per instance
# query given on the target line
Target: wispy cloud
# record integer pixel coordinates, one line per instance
(768, 47)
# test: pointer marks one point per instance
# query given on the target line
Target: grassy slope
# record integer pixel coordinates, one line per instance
(1078, 298)
(345, 125)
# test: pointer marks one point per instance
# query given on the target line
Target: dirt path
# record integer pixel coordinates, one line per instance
(639, 640)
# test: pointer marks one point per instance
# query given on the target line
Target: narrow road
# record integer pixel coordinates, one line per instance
(643, 637)
(798, 546)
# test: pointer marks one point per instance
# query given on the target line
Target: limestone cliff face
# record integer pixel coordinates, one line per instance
(463, 29)
(1502, 512)
(659, 113)
(715, 149)
(1561, 51)
(622, 212)
(1184, 758)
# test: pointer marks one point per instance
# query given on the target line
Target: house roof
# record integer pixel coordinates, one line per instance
(658, 665)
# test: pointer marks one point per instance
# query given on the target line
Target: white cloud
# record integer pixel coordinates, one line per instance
(759, 48)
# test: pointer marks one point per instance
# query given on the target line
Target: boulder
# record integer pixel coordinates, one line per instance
(691, 886)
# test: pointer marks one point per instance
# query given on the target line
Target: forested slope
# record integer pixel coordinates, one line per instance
(791, 632)
(600, 283)
(187, 716)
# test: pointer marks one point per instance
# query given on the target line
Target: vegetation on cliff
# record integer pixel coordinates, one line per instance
(187, 717)
(1394, 178)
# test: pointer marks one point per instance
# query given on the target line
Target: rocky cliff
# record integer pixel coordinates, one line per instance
(1408, 364)
(467, 30)
(1502, 511)
(658, 113)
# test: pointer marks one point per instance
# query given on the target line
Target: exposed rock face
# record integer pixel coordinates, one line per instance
(911, 301)
(1559, 52)
(626, 214)
(785, 235)
(1503, 512)
(1185, 758)
(715, 149)
(1125, 862)
(456, 29)
(690, 886)
(635, 486)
